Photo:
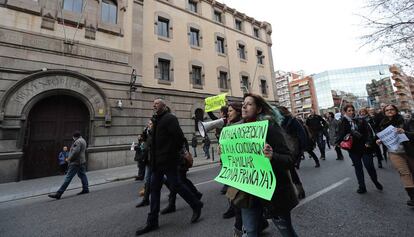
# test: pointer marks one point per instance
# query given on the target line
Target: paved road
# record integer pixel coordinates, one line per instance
(332, 208)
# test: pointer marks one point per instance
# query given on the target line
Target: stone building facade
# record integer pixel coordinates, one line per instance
(97, 65)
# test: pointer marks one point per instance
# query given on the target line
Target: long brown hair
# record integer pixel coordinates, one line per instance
(268, 111)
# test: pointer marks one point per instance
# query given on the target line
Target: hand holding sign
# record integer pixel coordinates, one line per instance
(268, 151)
(215, 102)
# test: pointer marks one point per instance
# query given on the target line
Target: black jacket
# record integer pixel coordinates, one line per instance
(296, 135)
(284, 198)
(167, 141)
(360, 137)
(316, 123)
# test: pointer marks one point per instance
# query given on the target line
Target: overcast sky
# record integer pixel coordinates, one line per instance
(313, 35)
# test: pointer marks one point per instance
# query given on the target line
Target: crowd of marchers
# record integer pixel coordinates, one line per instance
(164, 158)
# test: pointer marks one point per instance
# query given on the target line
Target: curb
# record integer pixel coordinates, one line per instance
(38, 193)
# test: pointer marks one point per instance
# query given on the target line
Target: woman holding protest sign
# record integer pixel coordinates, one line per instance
(355, 136)
(402, 158)
(284, 199)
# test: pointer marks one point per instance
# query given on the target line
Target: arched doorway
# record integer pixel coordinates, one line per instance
(50, 125)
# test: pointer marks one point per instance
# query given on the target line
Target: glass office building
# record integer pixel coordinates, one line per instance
(350, 80)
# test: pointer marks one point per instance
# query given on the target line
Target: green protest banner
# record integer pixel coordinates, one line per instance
(244, 165)
(215, 102)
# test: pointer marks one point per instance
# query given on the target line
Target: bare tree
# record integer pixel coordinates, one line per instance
(390, 25)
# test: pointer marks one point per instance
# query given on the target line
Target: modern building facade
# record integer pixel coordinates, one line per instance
(96, 66)
(303, 96)
(350, 80)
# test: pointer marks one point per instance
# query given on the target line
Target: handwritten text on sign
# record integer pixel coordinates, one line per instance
(243, 164)
(391, 138)
(215, 102)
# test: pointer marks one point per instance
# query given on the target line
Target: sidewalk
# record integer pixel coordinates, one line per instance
(41, 186)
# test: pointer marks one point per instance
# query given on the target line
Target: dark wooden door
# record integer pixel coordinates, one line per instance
(51, 123)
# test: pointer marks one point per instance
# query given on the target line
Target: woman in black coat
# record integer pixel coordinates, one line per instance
(276, 150)
(360, 152)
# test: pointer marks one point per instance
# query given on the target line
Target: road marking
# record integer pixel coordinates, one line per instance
(203, 167)
(206, 182)
(323, 191)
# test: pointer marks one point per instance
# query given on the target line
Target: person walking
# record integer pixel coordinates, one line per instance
(206, 146)
(316, 125)
(194, 144)
(77, 161)
(63, 155)
(360, 151)
(284, 198)
(146, 157)
(296, 140)
(184, 165)
(138, 147)
(377, 120)
(364, 114)
(167, 142)
(333, 127)
(403, 158)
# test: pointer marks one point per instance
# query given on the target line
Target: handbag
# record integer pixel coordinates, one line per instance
(346, 144)
(188, 159)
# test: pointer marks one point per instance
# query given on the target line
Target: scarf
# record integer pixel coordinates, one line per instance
(351, 122)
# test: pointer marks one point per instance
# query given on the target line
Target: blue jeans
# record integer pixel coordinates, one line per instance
(206, 151)
(157, 179)
(80, 170)
(359, 161)
(320, 142)
(251, 218)
(195, 151)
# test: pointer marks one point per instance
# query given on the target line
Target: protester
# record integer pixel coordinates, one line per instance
(296, 140)
(194, 144)
(316, 125)
(63, 155)
(146, 157)
(184, 165)
(360, 151)
(167, 142)
(206, 146)
(377, 120)
(276, 150)
(364, 114)
(233, 118)
(138, 147)
(76, 160)
(333, 126)
(402, 158)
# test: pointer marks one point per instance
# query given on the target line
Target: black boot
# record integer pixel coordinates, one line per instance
(147, 228)
(410, 192)
(301, 191)
(229, 213)
(361, 190)
(378, 185)
(196, 213)
(56, 195)
(171, 204)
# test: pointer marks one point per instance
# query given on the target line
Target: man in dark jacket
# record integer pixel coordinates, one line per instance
(167, 142)
(76, 160)
(316, 125)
